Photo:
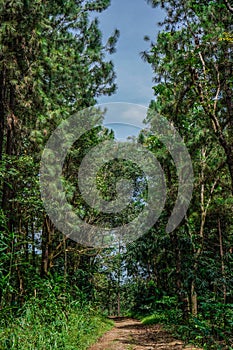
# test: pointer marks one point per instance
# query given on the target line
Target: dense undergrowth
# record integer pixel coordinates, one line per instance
(212, 328)
(56, 322)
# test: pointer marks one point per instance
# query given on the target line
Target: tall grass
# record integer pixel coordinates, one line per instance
(51, 325)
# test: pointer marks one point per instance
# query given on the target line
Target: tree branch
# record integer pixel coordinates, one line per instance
(228, 6)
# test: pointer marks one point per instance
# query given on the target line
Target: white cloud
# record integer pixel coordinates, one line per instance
(123, 112)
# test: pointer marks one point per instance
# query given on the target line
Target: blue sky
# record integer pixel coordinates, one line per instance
(134, 19)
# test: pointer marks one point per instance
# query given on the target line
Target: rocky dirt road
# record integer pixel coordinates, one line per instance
(130, 334)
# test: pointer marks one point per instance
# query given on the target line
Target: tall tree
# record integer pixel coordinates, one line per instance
(52, 64)
(194, 64)
(193, 89)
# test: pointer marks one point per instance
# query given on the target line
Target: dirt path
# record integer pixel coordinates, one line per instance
(130, 334)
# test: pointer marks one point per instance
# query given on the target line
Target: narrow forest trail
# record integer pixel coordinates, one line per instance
(129, 334)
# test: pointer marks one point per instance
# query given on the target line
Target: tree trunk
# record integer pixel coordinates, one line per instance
(20, 284)
(47, 236)
(222, 262)
(193, 299)
(182, 299)
(2, 110)
(65, 263)
(33, 246)
(118, 304)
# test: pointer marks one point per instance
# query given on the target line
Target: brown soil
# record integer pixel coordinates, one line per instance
(130, 334)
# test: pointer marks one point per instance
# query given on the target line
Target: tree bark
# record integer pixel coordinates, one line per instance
(194, 303)
(228, 6)
(222, 262)
(47, 236)
(2, 110)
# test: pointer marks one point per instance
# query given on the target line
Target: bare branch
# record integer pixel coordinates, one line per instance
(218, 89)
(228, 6)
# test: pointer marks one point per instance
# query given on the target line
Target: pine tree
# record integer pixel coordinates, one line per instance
(52, 64)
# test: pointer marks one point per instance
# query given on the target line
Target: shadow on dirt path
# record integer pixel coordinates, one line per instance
(129, 334)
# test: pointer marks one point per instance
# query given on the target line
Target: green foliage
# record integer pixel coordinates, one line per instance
(53, 324)
(144, 295)
(53, 64)
(157, 318)
(211, 329)
(54, 319)
(166, 311)
(191, 268)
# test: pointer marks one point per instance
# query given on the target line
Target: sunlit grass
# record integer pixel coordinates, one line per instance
(154, 319)
(41, 329)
